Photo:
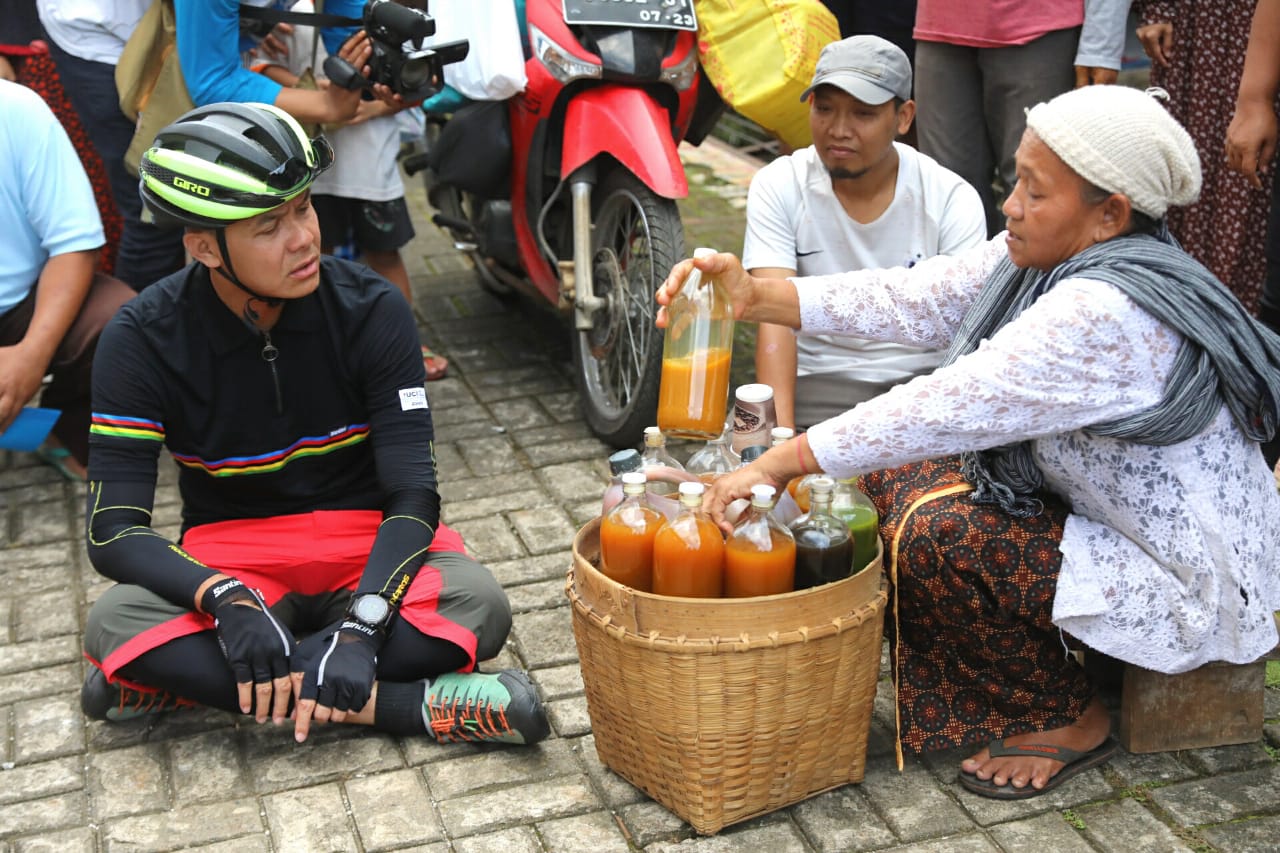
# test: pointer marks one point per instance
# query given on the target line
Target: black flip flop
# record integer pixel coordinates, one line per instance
(1073, 762)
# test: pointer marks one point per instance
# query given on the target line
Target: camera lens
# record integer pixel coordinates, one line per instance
(415, 73)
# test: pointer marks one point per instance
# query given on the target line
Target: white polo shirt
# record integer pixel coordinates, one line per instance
(795, 221)
(95, 30)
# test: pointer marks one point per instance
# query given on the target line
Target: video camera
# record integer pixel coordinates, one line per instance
(413, 73)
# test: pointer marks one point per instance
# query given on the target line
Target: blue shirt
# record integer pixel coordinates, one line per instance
(209, 48)
(46, 203)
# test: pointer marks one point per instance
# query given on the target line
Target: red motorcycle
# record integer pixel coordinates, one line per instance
(567, 190)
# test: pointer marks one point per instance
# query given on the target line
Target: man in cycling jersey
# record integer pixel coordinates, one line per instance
(287, 388)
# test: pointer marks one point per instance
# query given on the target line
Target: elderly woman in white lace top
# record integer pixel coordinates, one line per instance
(1089, 360)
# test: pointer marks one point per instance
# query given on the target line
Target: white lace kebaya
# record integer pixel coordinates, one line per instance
(1169, 555)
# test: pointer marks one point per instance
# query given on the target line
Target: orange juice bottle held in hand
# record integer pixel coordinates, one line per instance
(694, 389)
(760, 554)
(626, 536)
(688, 551)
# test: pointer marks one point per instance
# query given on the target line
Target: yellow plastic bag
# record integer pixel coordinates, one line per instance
(761, 54)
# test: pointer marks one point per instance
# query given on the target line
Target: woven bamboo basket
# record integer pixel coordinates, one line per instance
(725, 709)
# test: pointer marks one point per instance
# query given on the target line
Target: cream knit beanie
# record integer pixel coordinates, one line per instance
(1121, 140)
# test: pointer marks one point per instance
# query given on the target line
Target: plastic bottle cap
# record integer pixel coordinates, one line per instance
(821, 484)
(633, 477)
(756, 392)
(762, 492)
(692, 488)
(782, 434)
(653, 437)
(624, 460)
(704, 252)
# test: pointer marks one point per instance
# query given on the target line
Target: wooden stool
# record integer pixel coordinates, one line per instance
(1215, 705)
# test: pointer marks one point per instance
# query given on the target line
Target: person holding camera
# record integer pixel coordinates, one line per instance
(286, 387)
(210, 46)
(362, 196)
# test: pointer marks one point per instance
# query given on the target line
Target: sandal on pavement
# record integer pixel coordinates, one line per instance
(1073, 762)
(435, 365)
(56, 458)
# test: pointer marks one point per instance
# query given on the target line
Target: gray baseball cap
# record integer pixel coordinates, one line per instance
(870, 68)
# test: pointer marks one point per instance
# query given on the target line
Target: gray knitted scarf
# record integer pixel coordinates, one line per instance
(1226, 356)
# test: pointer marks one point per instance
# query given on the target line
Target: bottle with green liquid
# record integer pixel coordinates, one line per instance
(852, 506)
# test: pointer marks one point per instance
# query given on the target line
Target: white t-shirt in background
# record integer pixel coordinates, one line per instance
(795, 221)
(95, 30)
(364, 155)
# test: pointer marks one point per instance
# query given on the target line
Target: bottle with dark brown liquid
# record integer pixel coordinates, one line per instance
(824, 549)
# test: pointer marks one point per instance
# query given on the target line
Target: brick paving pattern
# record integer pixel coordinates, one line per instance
(520, 472)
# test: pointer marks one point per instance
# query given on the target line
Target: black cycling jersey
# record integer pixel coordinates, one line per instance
(326, 411)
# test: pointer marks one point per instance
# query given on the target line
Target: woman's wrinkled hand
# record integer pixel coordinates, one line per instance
(1157, 41)
(724, 267)
(775, 468)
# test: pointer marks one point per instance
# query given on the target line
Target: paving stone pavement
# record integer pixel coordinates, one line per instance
(520, 472)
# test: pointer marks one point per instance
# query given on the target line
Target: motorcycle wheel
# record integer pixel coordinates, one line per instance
(636, 238)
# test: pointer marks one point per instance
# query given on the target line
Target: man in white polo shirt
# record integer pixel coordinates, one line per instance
(855, 199)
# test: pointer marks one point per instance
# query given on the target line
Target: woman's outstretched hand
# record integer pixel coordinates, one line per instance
(777, 467)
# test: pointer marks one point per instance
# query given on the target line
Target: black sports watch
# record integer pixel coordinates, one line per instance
(371, 610)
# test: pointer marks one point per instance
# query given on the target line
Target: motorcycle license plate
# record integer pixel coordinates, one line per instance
(663, 14)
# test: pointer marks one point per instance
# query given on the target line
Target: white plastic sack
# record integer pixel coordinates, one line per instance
(494, 67)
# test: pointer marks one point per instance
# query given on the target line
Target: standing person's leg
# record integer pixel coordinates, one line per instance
(380, 229)
(1014, 80)
(1269, 303)
(950, 121)
(146, 253)
(894, 21)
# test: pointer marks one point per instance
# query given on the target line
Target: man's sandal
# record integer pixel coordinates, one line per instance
(435, 365)
(1073, 762)
(56, 458)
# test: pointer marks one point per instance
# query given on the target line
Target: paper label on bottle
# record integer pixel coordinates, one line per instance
(752, 423)
(413, 398)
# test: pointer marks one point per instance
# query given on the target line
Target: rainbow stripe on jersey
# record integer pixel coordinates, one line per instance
(267, 463)
(118, 426)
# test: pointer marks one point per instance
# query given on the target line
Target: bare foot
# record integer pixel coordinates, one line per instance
(1084, 735)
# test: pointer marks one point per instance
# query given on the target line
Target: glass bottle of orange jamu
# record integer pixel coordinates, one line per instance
(688, 551)
(626, 536)
(693, 392)
(760, 554)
